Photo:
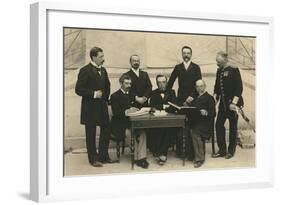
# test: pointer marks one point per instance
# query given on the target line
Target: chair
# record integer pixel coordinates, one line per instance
(118, 142)
(115, 138)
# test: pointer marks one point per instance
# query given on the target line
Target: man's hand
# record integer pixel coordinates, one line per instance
(141, 100)
(98, 94)
(204, 112)
(165, 106)
(189, 99)
(233, 107)
(131, 110)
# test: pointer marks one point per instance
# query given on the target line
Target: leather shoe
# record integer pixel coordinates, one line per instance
(142, 163)
(198, 164)
(217, 155)
(109, 161)
(96, 164)
(228, 156)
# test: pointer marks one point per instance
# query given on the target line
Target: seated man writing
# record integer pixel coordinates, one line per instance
(202, 123)
(122, 103)
(160, 139)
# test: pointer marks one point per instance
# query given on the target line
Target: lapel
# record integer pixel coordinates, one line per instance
(201, 98)
(95, 70)
(182, 66)
(166, 96)
(133, 75)
(189, 67)
(162, 100)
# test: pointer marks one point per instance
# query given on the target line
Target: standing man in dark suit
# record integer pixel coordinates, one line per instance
(161, 138)
(141, 84)
(201, 124)
(123, 103)
(228, 90)
(187, 74)
(94, 87)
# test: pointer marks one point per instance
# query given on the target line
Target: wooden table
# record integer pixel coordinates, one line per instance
(151, 121)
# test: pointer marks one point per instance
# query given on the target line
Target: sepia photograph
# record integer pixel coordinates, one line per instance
(150, 102)
(139, 101)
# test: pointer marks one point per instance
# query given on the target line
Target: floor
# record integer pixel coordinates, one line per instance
(76, 163)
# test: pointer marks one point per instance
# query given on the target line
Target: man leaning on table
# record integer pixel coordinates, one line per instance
(123, 103)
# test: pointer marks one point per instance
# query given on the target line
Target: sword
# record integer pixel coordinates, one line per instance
(239, 110)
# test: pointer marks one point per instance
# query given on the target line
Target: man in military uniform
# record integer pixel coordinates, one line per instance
(228, 89)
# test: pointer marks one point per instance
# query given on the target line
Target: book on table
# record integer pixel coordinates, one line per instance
(190, 111)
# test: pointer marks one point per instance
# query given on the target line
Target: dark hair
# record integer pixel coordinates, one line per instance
(187, 48)
(132, 56)
(160, 76)
(124, 77)
(94, 52)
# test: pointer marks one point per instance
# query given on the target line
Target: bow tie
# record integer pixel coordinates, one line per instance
(99, 69)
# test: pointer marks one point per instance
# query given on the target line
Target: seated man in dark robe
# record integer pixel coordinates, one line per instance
(123, 103)
(160, 139)
(202, 123)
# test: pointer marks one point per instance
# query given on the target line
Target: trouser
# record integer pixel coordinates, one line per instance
(160, 140)
(188, 144)
(140, 143)
(198, 145)
(220, 131)
(102, 153)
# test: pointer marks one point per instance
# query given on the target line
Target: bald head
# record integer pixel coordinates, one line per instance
(200, 86)
(222, 59)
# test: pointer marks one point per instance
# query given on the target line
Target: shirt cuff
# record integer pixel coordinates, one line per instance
(235, 100)
(95, 94)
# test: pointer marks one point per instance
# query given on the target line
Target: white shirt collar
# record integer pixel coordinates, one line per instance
(123, 91)
(137, 72)
(186, 65)
(94, 64)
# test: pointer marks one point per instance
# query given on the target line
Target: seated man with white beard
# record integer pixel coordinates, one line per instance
(202, 124)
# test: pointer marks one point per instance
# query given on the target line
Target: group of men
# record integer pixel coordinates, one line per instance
(135, 92)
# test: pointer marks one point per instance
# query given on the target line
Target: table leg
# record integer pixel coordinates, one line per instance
(132, 148)
(183, 147)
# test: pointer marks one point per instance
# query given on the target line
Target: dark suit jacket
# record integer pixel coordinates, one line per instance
(228, 83)
(119, 103)
(204, 124)
(186, 80)
(93, 111)
(141, 86)
(157, 101)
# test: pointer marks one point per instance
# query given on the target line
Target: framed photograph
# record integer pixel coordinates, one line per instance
(131, 102)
